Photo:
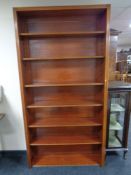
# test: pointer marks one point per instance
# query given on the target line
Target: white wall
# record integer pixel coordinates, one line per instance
(11, 127)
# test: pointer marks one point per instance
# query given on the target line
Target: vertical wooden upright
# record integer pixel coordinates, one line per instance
(63, 68)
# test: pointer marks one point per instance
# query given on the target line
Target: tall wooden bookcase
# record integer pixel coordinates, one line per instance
(63, 68)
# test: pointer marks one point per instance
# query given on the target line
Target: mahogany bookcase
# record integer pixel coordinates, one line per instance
(63, 69)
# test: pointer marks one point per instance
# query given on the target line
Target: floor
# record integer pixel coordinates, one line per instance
(115, 164)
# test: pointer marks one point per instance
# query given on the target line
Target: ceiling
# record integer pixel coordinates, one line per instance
(120, 18)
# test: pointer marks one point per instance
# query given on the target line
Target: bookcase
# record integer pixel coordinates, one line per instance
(63, 69)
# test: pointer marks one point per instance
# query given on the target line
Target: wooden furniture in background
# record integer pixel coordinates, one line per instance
(113, 53)
(128, 78)
(63, 67)
(122, 67)
(123, 64)
(122, 55)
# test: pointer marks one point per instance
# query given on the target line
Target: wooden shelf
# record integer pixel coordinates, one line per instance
(61, 34)
(67, 84)
(63, 58)
(64, 122)
(66, 159)
(50, 105)
(65, 140)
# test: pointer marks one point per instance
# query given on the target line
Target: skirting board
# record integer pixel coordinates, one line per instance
(12, 153)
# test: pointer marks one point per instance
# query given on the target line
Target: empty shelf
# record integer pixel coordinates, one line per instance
(117, 108)
(66, 159)
(64, 122)
(51, 105)
(63, 58)
(64, 84)
(116, 126)
(114, 142)
(71, 34)
(65, 140)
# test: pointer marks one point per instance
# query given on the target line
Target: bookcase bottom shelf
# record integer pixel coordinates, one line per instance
(66, 159)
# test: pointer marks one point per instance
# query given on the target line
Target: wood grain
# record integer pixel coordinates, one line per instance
(65, 71)
(64, 122)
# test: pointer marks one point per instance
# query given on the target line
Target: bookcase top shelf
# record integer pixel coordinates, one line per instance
(63, 105)
(60, 34)
(61, 10)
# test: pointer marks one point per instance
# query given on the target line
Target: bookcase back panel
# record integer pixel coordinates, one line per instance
(65, 135)
(64, 71)
(66, 155)
(66, 117)
(74, 112)
(66, 47)
(68, 95)
(63, 24)
(68, 21)
(90, 149)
